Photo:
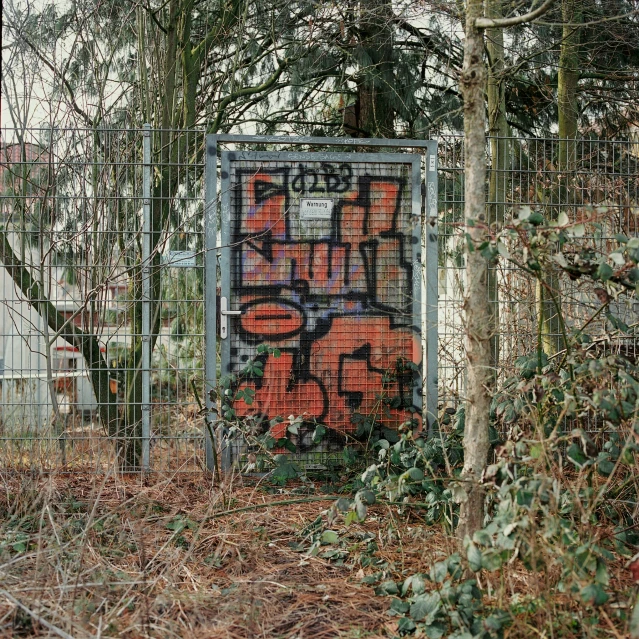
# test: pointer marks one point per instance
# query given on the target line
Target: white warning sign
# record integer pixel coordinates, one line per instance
(316, 208)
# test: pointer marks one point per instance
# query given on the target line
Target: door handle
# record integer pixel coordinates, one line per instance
(224, 313)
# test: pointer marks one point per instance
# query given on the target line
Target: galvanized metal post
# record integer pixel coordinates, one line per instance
(430, 239)
(210, 297)
(146, 299)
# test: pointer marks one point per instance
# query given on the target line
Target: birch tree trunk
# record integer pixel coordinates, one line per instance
(477, 312)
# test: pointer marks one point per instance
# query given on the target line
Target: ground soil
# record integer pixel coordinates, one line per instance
(166, 556)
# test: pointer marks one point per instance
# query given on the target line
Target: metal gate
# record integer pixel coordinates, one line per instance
(321, 270)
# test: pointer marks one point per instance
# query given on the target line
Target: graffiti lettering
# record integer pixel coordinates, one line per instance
(334, 292)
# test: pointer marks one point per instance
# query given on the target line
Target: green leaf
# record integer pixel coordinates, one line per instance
(416, 474)
(424, 605)
(416, 583)
(329, 537)
(535, 451)
(178, 524)
(397, 605)
(523, 213)
(536, 218)
(605, 467)
(439, 572)
(576, 455)
(604, 272)
(318, 433)
(285, 470)
(387, 588)
(361, 509)
(491, 559)
(367, 497)
(473, 555)
(435, 631)
(284, 442)
(634, 621)
(351, 518)
(405, 626)
(578, 230)
(617, 323)
(594, 595)
(601, 574)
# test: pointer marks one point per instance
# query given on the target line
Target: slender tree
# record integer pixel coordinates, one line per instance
(477, 310)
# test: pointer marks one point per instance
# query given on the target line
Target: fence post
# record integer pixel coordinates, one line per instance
(431, 242)
(210, 298)
(146, 298)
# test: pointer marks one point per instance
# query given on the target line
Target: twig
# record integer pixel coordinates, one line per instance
(289, 502)
(283, 502)
(37, 617)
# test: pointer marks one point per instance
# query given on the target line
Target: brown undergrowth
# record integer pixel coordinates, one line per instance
(89, 556)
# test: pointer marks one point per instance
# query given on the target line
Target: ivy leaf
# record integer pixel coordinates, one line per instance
(387, 588)
(491, 560)
(416, 582)
(474, 557)
(367, 497)
(578, 230)
(435, 631)
(634, 621)
(604, 272)
(424, 605)
(285, 469)
(439, 572)
(605, 467)
(284, 442)
(329, 537)
(319, 433)
(594, 595)
(536, 218)
(399, 606)
(406, 626)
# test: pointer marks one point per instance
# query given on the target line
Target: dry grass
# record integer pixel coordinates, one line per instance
(82, 555)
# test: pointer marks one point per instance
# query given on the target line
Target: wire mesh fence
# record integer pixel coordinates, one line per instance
(102, 306)
(101, 323)
(600, 186)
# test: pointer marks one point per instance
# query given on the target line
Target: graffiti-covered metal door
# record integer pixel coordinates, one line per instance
(321, 261)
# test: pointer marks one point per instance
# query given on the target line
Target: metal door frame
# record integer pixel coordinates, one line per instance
(426, 201)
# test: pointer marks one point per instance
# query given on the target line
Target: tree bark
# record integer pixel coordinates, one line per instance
(498, 131)
(376, 88)
(567, 81)
(568, 120)
(477, 311)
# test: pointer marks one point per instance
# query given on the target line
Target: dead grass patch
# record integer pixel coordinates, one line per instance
(89, 556)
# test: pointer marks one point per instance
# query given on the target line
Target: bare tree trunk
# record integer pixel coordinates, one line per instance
(498, 130)
(567, 81)
(375, 89)
(476, 304)
(567, 115)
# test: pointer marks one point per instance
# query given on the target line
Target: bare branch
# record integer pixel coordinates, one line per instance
(501, 23)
